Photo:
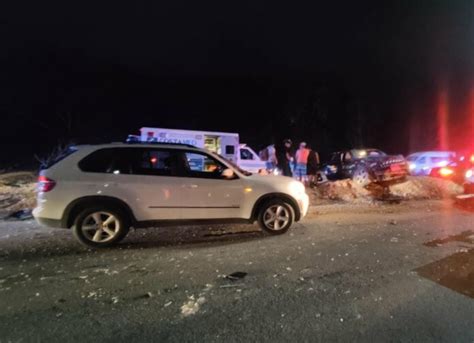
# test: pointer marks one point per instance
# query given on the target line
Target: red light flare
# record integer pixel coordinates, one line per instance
(445, 172)
(442, 119)
(442, 122)
(470, 126)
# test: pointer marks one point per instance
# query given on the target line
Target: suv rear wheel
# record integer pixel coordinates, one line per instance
(276, 216)
(100, 227)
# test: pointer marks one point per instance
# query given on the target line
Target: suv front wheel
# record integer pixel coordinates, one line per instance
(276, 216)
(100, 227)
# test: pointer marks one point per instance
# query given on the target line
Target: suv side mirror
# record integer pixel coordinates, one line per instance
(228, 173)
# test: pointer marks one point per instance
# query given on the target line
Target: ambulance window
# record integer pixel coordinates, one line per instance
(229, 150)
(245, 154)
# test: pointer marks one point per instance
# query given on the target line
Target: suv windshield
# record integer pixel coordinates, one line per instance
(363, 153)
(245, 172)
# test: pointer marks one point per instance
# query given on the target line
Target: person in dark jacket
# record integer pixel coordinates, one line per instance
(284, 158)
(312, 167)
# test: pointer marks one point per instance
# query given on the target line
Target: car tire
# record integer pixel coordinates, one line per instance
(362, 176)
(99, 227)
(276, 216)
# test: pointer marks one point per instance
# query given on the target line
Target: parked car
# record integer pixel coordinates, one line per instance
(468, 160)
(456, 169)
(101, 191)
(366, 166)
(422, 163)
(469, 181)
(451, 172)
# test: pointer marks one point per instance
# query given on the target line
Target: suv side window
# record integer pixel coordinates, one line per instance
(203, 166)
(160, 162)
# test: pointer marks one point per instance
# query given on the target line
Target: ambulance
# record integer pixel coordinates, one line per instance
(225, 144)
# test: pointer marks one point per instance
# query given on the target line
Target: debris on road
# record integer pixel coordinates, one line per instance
(232, 286)
(236, 276)
(463, 237)
(192, 306)
(25, 214)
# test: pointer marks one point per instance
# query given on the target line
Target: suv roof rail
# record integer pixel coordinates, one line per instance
(160, 143)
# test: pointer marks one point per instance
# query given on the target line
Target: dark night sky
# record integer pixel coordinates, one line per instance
(237, 66)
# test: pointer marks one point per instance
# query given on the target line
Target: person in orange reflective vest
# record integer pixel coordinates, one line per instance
(301, 163)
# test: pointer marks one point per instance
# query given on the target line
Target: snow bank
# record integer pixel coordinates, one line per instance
(17, 191)
(342, 190)
(426, 188)
(414, 188)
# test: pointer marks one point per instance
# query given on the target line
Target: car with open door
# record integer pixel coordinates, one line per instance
(366, 166)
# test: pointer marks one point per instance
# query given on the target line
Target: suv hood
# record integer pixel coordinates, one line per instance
(271, 179)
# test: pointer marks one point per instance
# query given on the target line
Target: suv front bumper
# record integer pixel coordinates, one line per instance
(303, 204)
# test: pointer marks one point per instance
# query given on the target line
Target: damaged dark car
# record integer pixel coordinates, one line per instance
(366, 166)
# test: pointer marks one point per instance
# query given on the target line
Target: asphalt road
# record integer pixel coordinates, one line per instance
(346, 273)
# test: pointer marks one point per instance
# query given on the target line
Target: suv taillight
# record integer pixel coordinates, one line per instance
(45, 184)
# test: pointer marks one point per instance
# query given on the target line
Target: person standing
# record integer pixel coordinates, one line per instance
(272, 160)
(312, 167)
(283, 155)
(301, 162)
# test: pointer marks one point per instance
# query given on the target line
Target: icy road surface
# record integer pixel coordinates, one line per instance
(400, 272)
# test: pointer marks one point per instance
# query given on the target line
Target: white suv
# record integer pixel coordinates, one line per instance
(101, 191)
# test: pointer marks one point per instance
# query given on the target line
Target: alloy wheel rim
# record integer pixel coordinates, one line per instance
(100, 227)
(362, 177)
(276, 217)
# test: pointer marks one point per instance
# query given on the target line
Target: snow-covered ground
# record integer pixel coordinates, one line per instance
(348, 272)
(17, 192)
(414, 188)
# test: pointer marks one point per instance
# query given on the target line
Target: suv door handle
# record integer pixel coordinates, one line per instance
(190, 186)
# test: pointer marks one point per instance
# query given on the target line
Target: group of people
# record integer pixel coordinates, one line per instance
(301, 164)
